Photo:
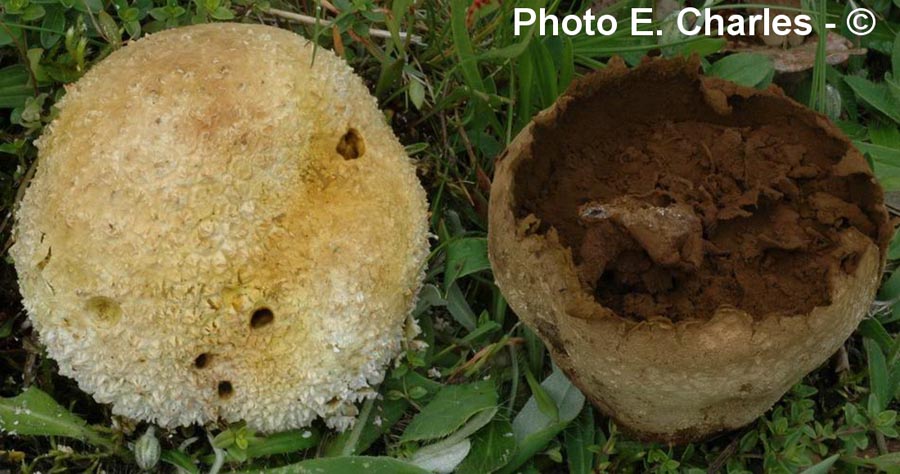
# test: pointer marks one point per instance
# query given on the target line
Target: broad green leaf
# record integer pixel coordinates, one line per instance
(52, 27)
(874, 330)
(533, 429)
(877, 96)
(823, 467)
(894, 247)
(443, 460)
(390, 72)
(878, 374)
(450, 409)
(283, 443)
(346, 465)
(459, 308)
(895, 53)
(547, 82)
(416, 93)
(524, 72)
(429, 296)
(578, 439)
(14, 88)
(179, 459)
(35, 413)
(702, 46)
(437, 452)
(492, 448)
(886, 162)
(464, 257)
(746, 69)
(462, 41)
(526, 34)
(109, 29)
(885, 461)
(546, 404)
(33, 12)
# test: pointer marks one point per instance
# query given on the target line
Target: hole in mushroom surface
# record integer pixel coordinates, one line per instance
(351, 145)
(261, 317)
(202, 360)
(225, 389)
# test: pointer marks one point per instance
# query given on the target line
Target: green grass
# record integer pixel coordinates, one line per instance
(456, 92)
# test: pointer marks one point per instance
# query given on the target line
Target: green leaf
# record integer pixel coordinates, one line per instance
(435, 456)
(533, 429)
(894, 247)
(524, 72)
(823, 467)
(895, 53)
(459, 308)
(283, 443)
(464, 257)
(386, 410)
(445, 459)
(109, 29)
(179, 459)
(222, 13)
(578, 440)
(389, 73)
(886, 162)
(14, 89)
(33, 12)
(514, 50)
(492, 448)
(873, 329)
(885, 461)
(35, 413)
(416, 93)
(878, 374)
(462, 42)
(52, 27)
(877, 96)
(546, 404)
(345, 465)
(746, 69)
(450, 409)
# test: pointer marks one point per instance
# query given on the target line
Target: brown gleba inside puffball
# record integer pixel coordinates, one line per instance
(232, 234)
(688, 248)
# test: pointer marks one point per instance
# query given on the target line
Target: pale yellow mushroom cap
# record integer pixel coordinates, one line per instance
(222, 226)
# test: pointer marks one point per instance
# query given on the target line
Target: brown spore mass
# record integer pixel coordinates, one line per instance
(679, 194)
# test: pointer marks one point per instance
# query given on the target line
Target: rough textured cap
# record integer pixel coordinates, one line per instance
(222, 226)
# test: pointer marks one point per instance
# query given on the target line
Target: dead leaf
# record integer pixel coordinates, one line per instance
(801, 58)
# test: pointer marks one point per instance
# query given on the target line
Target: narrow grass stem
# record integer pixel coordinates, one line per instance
(311, 20)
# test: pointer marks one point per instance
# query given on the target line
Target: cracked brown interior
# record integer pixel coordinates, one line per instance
(678, 195)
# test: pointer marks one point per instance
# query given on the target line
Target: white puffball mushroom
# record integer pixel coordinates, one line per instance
(222, 226)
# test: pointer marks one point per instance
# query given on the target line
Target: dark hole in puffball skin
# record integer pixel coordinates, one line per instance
(225, 389)
(202, 360)
(261, 317)
(351, 145)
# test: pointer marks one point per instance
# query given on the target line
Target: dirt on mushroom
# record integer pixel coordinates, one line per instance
(674, 210)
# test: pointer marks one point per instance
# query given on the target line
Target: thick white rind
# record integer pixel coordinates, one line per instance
(191, 178)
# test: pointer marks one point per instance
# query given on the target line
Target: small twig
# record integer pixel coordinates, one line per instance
(723, 457)
(310, 20)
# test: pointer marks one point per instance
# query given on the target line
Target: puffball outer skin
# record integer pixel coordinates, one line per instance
(663, 381)
(192, 179)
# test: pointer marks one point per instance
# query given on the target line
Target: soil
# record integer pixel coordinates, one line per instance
(680, 194)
